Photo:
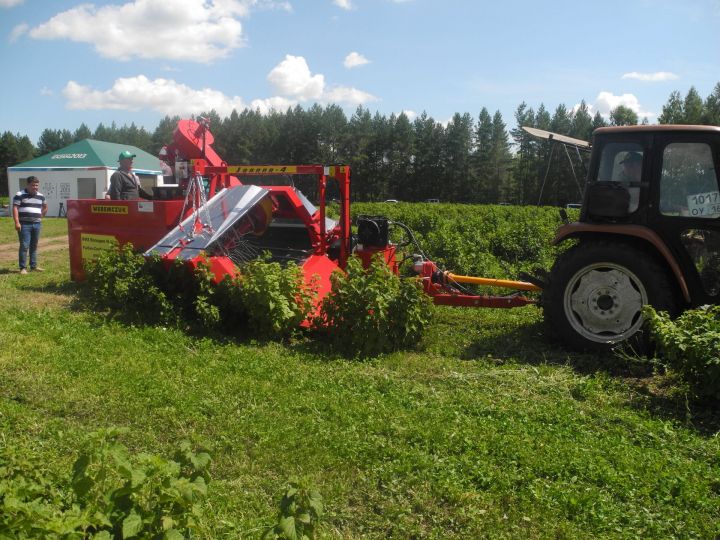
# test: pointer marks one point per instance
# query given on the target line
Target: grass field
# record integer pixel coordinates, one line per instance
(486, 430)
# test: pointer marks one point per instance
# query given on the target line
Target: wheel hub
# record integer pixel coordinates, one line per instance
(606, 302)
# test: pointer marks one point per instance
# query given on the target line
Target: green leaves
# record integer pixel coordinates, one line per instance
(132, 525)
(113, 494)
(275, 299)
(301, 508)
(268, 299)
(368, 312)
(690, 345)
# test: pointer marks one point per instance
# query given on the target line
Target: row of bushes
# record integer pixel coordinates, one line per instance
(367, 312)
(480, 240)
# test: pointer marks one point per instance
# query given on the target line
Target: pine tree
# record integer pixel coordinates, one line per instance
(14, 149)
(359, 139)
(333, 126)
(400, 153)
(712, 108)
(693, 106)
(524, 162)
(82, 133)
(598, 121)
(482, 157)
(51, 140)
(428, 151)
(582, 123)
(500, 164)
(673, 112)
(457, 145)
(163, 133)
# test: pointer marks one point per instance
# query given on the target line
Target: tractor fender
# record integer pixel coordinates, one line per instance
(577, 230)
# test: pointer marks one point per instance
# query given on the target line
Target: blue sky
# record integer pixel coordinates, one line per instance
(66, 62)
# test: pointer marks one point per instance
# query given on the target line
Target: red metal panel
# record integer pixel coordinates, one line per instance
(388, 255)
(95, 224)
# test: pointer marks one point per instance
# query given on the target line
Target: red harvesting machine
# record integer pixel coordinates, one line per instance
(211, 215)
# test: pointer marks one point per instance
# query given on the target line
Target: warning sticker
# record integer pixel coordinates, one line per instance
(95, 244)
(108, 209)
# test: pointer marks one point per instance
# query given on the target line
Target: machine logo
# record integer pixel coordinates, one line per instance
(108, 209)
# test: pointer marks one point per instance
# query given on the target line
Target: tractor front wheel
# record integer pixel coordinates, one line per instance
(597, 290)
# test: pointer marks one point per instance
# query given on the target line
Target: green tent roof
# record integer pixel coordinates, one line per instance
(91, 154)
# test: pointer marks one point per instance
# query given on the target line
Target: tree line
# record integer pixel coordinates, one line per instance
(468, 159)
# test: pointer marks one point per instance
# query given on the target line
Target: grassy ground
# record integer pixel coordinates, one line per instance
(487, 430)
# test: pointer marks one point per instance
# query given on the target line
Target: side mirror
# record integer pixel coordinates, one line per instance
(563, 216)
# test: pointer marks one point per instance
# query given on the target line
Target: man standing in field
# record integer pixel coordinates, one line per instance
(29, 207)
(124, 184)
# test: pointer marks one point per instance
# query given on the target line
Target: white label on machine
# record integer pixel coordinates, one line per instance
(704, 205)
(145, 207)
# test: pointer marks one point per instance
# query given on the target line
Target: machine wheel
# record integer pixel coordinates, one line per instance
(596, 291)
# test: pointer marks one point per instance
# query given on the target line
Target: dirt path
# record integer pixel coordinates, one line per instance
(9, 251)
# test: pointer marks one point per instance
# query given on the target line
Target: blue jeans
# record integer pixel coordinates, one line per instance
(29, 234)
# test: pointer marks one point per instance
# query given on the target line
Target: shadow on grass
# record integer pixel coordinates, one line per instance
(654, 391)
(55, 287)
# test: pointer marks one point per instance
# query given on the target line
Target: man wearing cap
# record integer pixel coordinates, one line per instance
(632, 166)
(632, 176)
(124, 184)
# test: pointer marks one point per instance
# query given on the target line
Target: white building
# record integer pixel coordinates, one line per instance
(81, 171)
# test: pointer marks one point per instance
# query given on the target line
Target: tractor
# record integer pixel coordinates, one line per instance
(648, 233)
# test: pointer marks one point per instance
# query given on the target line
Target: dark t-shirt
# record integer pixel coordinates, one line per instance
(125, 186)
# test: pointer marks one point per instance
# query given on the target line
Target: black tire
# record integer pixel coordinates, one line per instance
(596, 290)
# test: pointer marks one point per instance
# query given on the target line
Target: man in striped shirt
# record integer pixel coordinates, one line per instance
(29, 207)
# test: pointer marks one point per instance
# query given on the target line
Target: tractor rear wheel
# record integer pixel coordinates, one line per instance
(597, 290)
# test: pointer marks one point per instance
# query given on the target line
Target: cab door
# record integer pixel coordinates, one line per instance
(685, 207)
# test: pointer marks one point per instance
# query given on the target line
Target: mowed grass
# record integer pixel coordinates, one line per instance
(487, 430)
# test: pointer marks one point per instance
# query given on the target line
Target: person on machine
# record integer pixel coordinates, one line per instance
(124, 184)
(632, 176)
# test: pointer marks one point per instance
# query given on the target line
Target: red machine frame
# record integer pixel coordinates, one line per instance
(117, 222)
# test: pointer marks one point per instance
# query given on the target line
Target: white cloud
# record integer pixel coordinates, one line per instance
(292, 77)
(607, 101)
(10, 3)
(17, 32)
(344, 4)
(277, 103)
(355, 59)
(412, 115)
(658, 76)
(45, 91)
(346, 95)
(162, 95)
(192, 30)
(292, 80)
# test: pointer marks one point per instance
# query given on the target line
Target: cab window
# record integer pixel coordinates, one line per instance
(622, 163)
(688, 181)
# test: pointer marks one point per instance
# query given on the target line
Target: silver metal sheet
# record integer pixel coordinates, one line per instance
(223, 211)
(549, 135)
